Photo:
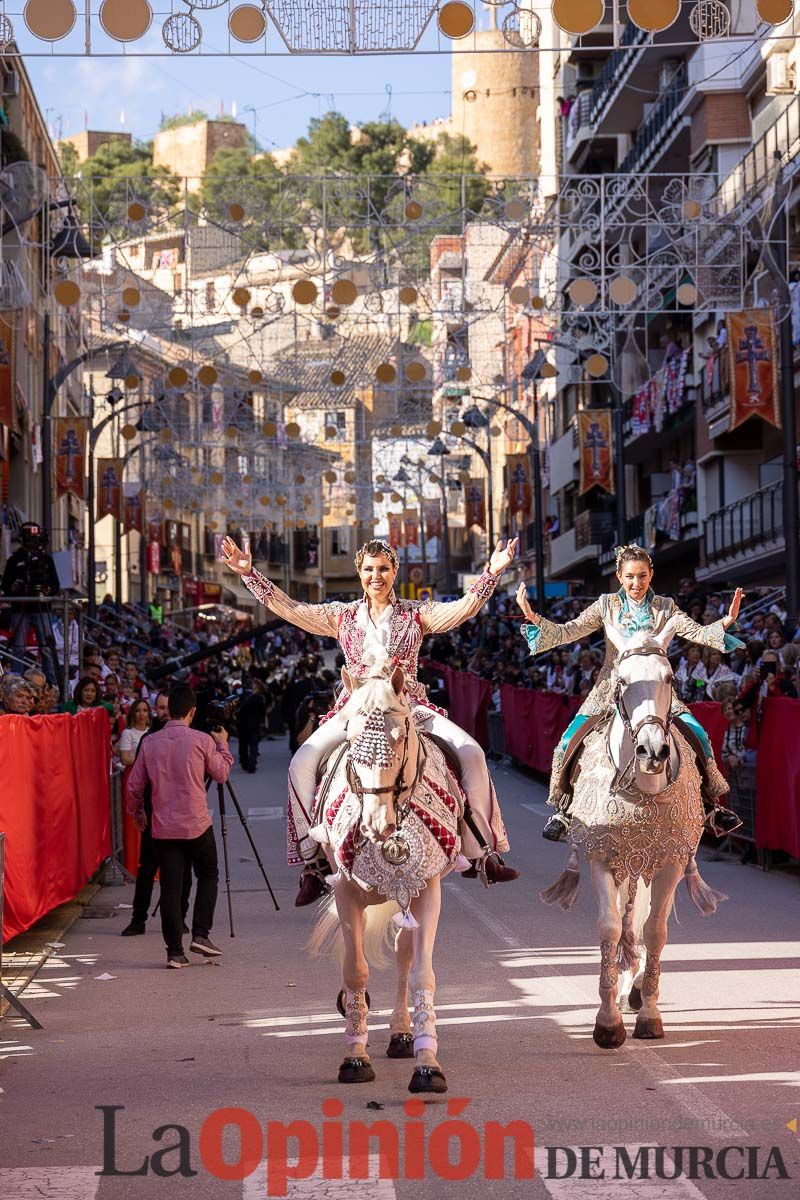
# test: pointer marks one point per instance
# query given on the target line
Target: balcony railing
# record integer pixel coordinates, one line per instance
(608, 79)
(658, 121)
(746, 524)
(758, 166)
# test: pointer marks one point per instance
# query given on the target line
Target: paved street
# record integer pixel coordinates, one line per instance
(517, 986)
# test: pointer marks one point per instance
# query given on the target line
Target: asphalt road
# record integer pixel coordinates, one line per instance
(516, 998)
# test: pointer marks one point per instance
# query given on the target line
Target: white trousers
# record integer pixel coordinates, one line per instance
(475, 778)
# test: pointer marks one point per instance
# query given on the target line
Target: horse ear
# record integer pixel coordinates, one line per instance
(614, 635)
(398, 680)
(347, 681)
(667, 633)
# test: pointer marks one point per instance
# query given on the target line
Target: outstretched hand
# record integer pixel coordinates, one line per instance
(240, 561)
(503, 555)
(733, 611)
(524, 604)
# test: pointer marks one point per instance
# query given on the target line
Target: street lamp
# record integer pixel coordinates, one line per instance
(439, 450)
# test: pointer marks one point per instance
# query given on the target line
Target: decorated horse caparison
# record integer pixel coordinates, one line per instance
(388, 810)
(637, 815)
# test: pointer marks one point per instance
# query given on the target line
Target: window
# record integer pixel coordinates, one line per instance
(340, 542)
(211, 297)
(177, 283)
(337, 421)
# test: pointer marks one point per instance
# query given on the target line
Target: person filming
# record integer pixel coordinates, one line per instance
(30, 571)
(176, 762)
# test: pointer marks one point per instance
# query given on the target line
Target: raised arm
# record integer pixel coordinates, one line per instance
(439, 617)
(322, 619)
(542, 635)
(714, 635)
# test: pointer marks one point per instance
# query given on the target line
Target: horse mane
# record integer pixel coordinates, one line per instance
(375, 694)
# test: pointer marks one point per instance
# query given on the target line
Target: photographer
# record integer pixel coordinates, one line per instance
(310, 713)
(30, 571)
(176, 762)
(250, 716)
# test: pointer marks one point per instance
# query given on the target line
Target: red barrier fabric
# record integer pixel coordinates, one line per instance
(54, 810)
(778, 777)
(470, 697)
(534, 722)
(709, 714)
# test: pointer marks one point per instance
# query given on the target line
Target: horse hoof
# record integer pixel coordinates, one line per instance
(340, 1002)
(356, 1070)
(609, 1039)
(401, 1045)
(428, 1079)
(635, 999)
(648, 1028)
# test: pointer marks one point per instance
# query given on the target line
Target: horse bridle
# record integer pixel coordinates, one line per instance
(663, 723)
(395, 788)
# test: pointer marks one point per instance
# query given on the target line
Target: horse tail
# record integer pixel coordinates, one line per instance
(379, 933)
(564, 891)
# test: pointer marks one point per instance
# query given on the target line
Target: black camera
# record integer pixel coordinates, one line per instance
(220, 712)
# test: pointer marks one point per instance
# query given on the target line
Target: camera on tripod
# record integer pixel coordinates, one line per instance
(33, 569)
(220, 712)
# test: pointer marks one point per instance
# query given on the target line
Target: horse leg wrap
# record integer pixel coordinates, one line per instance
(652, 976)
(355, 1009)
(608, 966)
(424, 1021)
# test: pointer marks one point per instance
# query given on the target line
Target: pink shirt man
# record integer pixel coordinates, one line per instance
(176, 761)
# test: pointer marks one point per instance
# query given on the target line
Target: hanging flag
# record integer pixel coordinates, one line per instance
(69, 445)
(753, 366)
(410, 527)
(109, 488)
(475, 503)
(8, 413)
(519, 484)
(133, 507)
(432, 515)
(395, 530)
(155, 530)
(594, 438)
(153, 558)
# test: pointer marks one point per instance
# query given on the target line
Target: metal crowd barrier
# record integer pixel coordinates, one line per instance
(46, 606)
(497, 734)
(114, 871)
(6, 993)
(742, 799)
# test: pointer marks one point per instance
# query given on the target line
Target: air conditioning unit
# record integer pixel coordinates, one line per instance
(780, 75)
(11, 83)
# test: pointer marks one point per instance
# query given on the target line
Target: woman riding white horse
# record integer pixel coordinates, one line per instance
(381, 621)
(633, 609)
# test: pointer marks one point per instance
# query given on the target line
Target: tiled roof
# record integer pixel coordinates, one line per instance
(308, 367)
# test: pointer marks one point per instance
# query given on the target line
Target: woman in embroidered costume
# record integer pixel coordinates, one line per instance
(634, 608)
(381, 624)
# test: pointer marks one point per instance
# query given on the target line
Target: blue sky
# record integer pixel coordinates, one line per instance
(286, 90)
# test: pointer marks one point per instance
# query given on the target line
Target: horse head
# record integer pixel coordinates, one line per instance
(379, 731)
(644, 695)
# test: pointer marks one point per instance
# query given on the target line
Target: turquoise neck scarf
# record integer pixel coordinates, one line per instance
(636, 617)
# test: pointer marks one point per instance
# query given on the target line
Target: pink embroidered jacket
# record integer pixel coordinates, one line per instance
(411, 621)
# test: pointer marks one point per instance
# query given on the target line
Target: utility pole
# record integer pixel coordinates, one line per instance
(791, 515)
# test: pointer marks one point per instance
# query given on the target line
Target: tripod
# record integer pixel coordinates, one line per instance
(224, 828)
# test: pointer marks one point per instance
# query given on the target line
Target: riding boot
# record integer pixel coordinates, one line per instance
(491, 869)
(720, 820)
(557, 826)
(313, 882)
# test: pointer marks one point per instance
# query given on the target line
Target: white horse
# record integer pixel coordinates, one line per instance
(638, 815)
(387, 816)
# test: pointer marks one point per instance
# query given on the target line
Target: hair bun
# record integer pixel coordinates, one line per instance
(632, 551)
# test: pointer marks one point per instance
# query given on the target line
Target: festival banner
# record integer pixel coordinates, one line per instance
(519, 484)
(8, 413)
(109, 488)
(395, 530)
(133, 507)
(753, 366)
(70, 444)
(155, 530)
(153, 558)
(410, 527)
(594, 439)
(475, 503)
(432, 515)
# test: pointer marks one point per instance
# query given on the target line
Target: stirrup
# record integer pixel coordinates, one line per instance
(556, 827)
(728, 827)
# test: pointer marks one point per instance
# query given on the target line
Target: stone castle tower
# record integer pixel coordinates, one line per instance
(495, 102)
(188, 149)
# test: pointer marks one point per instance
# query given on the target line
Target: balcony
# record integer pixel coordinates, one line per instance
(617, 68)
(580, 544)
(745, 537)
(748, 179)
(664, 121)
(580, 130)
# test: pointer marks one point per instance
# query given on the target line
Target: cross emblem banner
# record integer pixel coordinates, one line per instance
(70, 445)
(594, 435)
(753, 362)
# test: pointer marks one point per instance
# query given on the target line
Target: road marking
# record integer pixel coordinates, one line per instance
(315, 1187)
(717, 1124)
(49, 1183)
(573, 1187)
(275, 812)
(541, 810)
